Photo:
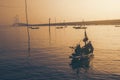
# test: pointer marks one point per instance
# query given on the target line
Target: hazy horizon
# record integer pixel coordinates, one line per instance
(87, 50)
(63, 10)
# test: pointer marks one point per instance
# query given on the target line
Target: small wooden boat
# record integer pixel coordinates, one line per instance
(82, 56)
(117, 25)
(85, 51)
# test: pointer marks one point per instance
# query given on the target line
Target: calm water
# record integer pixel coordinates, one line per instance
(48, 58)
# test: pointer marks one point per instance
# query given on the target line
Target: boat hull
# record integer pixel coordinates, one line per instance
(81, 56)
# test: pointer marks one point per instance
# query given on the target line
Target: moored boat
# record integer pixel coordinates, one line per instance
(85, 51)
(80, 27)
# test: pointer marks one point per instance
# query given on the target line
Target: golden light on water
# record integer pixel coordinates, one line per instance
(69, 10)
(49, 53)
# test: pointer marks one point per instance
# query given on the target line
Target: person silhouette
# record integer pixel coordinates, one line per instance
(78, 49)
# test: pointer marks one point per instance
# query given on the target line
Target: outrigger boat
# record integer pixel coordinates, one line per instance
(83, 52)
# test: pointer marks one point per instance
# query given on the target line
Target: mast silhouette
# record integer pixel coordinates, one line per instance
(27, 25)
(49, 31)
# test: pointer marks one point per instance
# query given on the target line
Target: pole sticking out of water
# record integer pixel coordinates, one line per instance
(49, 32)
(49, 24)
(55, 28)
(27, 25)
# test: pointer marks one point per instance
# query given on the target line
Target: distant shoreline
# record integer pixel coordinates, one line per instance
(97, 22)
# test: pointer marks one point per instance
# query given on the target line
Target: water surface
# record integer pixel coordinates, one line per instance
(48, 58)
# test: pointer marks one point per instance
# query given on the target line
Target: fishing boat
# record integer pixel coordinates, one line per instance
(59, 27)
(80, 27)
(83, 52)
(117, 25)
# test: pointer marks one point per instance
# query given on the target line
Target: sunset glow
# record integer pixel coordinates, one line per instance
(70, 10)
(60, 39)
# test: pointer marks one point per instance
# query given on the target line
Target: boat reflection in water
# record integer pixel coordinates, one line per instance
(82, 67)
(81, 57)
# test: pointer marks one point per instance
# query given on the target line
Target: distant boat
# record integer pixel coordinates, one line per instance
(34, 27)
(117, 25)
(59, 27)
(80, 27)
(83, 52)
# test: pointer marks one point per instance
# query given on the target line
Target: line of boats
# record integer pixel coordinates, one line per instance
(61, 27)
(75, 27)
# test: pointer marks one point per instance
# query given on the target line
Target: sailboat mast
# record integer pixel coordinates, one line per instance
(85, 38)
(26, 13)
(49, 32)
(27, 24)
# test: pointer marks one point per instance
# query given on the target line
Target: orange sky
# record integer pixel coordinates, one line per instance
(69, 10)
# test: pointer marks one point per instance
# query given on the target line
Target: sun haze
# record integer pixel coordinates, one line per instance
(69, 10)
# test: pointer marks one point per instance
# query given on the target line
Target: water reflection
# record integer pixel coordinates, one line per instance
(29, 45)
(46, 62)
(81, 66)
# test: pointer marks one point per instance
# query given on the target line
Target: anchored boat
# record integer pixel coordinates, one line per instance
(83, 52)
(79, 27)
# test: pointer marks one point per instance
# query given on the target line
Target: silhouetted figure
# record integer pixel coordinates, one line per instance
(78, 49)
(88, 48)
(91, 47)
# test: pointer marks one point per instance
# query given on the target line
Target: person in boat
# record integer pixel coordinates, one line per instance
(88, 48)
(91, 47)
(78, 49)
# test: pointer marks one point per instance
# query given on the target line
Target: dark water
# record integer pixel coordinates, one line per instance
(48, 58)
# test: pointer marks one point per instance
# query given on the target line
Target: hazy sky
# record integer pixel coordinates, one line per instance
(69, 10)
